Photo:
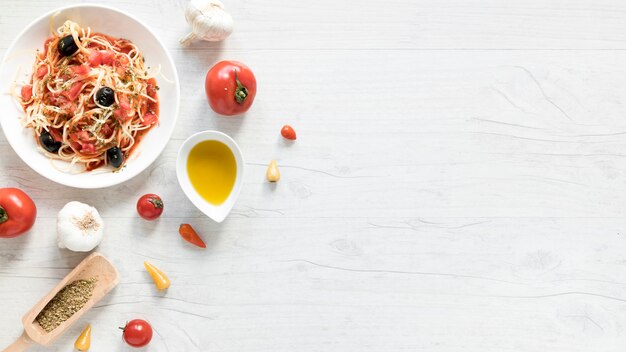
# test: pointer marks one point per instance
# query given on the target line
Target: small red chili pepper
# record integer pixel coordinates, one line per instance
(288, 132)
(190, 235)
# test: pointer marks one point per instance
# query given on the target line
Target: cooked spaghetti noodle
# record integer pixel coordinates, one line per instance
(67, 105)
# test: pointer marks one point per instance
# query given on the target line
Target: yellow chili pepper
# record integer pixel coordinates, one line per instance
(83, 342)
(272, 173)
(160, 280)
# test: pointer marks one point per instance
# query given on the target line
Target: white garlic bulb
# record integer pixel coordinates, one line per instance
(209, 21)
(79, 227)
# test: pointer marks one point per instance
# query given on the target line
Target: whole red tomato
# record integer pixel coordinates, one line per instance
(137, 333)
(17, 212)
(230, 88)
(150, 206)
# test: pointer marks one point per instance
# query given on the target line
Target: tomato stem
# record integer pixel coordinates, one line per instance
(4, 216)
(156, 202)
(241, 92)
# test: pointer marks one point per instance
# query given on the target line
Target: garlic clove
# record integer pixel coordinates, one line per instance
(209, 21)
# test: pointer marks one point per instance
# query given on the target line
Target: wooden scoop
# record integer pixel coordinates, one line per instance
(94, 266)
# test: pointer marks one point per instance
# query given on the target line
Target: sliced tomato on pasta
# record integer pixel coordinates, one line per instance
(106, 130)
(80, 137)
(41, 71)
(149, 119)
(80, 69)
(73, 91)
(151, 88)
(101, 57)
(27, 92)
(121, 63)
(62, 102)
(122, 113)
(88, 148)
(56, 134)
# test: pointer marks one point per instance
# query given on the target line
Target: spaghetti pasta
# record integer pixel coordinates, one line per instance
(90, 95)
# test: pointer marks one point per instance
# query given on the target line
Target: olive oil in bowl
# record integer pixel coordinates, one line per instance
(212, 170)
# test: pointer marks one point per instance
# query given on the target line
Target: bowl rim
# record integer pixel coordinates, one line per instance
(128, 175)
(216, 212)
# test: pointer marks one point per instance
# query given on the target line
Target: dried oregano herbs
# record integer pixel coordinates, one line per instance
(65, 303)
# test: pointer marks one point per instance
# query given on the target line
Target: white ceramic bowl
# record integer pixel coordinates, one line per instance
(17, 66)
(216, 212)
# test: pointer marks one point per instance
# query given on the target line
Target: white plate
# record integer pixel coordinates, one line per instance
(216, 212)
(17, 66)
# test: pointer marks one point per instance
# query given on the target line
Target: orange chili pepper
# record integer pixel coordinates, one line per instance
(190, 235)
(83, 342)
(160, 279)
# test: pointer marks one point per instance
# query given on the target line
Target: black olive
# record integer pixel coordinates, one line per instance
(115, 157)
(67, 46)
(48, 143)
(105, 96)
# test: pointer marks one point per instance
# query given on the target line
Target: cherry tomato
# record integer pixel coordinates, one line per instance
(150, 206)
(17, 212)
(137, 333)
(288, 132)
(190, 235)
(230, 88)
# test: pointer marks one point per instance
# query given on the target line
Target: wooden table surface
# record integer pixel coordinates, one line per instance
(458, 184)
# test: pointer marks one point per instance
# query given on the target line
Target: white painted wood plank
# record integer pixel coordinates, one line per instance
(392, 24)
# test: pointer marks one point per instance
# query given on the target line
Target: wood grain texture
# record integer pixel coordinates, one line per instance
(457, 185)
